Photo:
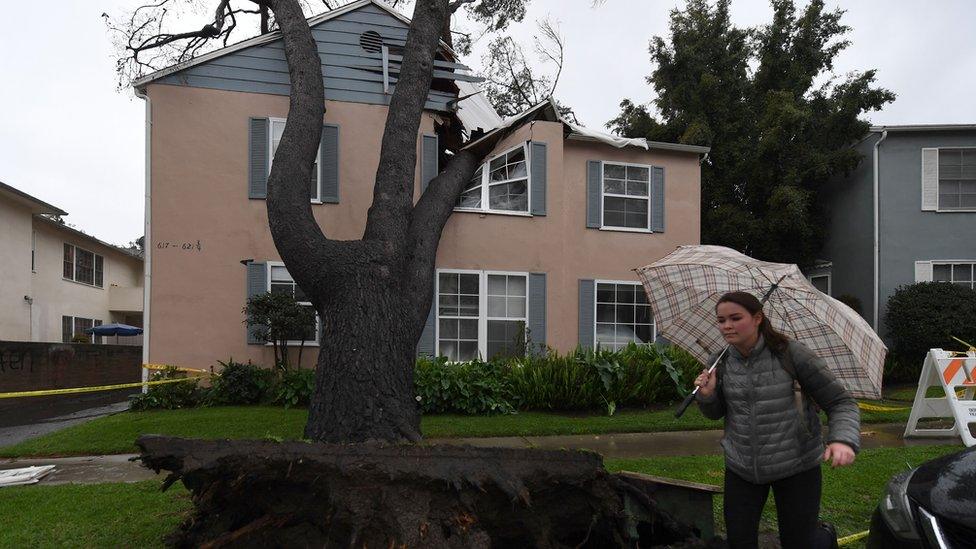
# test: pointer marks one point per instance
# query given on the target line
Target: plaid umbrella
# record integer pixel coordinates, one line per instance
(684, 286)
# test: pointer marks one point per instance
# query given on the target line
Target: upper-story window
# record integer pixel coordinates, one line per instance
(281, 281)
(626, 200)
(83, 266)
(499, 185)
(274, 137)
(957, 273)
(957, 179)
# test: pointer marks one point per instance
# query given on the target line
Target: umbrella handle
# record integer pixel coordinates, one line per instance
(685, 403)
(691, 396)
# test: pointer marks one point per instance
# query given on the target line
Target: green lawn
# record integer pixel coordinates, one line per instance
(90, 515)
(850, 493)
(139, 515)
(116, 434)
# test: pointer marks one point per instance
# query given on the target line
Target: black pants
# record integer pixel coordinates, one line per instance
(797, 509)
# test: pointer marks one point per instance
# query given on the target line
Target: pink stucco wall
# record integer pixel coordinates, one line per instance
(199, 193)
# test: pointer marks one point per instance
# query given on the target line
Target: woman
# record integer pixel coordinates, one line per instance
(772, 436)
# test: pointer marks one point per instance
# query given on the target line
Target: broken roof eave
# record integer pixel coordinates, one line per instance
(550, 112)
(139, 84)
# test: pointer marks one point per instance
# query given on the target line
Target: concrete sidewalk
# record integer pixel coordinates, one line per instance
(118, 468)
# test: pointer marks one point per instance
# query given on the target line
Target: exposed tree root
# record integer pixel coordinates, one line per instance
(266, 494)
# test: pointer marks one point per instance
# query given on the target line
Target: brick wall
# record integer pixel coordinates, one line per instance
(37, 366)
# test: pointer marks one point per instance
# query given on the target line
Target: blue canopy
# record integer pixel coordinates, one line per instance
(114, 330)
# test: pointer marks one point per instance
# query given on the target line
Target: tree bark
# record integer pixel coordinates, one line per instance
(372, 295)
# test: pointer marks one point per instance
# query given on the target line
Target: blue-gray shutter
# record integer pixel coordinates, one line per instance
(257, 283)
(537, 312)
(329, 164)
(428, 160)
(587, 297)
(657, 199)
(594, 182)
(257, 158)
(426, 344)
(537, 159)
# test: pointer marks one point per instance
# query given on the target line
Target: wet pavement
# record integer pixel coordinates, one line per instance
(29, 428)
(118, 468)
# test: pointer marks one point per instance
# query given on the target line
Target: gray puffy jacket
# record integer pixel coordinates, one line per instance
(765, 439)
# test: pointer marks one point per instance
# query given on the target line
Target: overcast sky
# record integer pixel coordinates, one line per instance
(69, 138)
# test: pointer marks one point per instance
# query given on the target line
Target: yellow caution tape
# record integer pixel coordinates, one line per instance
(852, 538)
(177, 368)
(73, 390)
(876, 408)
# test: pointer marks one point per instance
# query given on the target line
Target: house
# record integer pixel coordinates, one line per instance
(56, 281)
(540, 247)
(906, 215)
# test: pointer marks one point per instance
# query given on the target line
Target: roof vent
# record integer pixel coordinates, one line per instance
(371, 41)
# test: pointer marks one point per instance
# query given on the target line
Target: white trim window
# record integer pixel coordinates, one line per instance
(275, 130)
(33, 251)
(956, 272)
(481, 314)
(821, 282)
(72, 326)
(623, 315)
(500, 185)
(83, 266)
(281, 281)
(626, 201)
(957, 179)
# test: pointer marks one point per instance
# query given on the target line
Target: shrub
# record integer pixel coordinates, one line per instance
(925, 315)
(240, 383)
(475, 387)
(295, 388)
(169, 396)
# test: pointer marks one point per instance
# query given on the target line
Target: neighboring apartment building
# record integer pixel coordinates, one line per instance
(56, 281)
(543, 239)
(906, 215)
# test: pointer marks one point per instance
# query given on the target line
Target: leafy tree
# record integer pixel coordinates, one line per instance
(777, 132)
(373, 294)
(277, 318)
(512, 85)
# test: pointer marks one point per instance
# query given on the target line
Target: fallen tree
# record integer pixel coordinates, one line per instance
(296, 494)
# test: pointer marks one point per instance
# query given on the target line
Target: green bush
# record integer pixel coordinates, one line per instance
(239, 384)
(170, 396)
(925, 315)
(295, 388)
(467, 387)
(635, 376)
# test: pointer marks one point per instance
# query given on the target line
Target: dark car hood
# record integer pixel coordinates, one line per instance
(946, 487)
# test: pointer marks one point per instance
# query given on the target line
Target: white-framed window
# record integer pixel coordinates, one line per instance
(626, 202)
(33, 251)
(280, 281)
(821, 282)
(956, 272)
(277, 127)
(72, 326)
(481, 314)
(500, 185)
(84, 266)
(623, 315)
(957, 179)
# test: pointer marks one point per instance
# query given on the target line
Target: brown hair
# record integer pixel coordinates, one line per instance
(776, 341)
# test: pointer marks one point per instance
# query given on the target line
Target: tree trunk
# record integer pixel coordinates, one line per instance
(364, 383)
(373, 294)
